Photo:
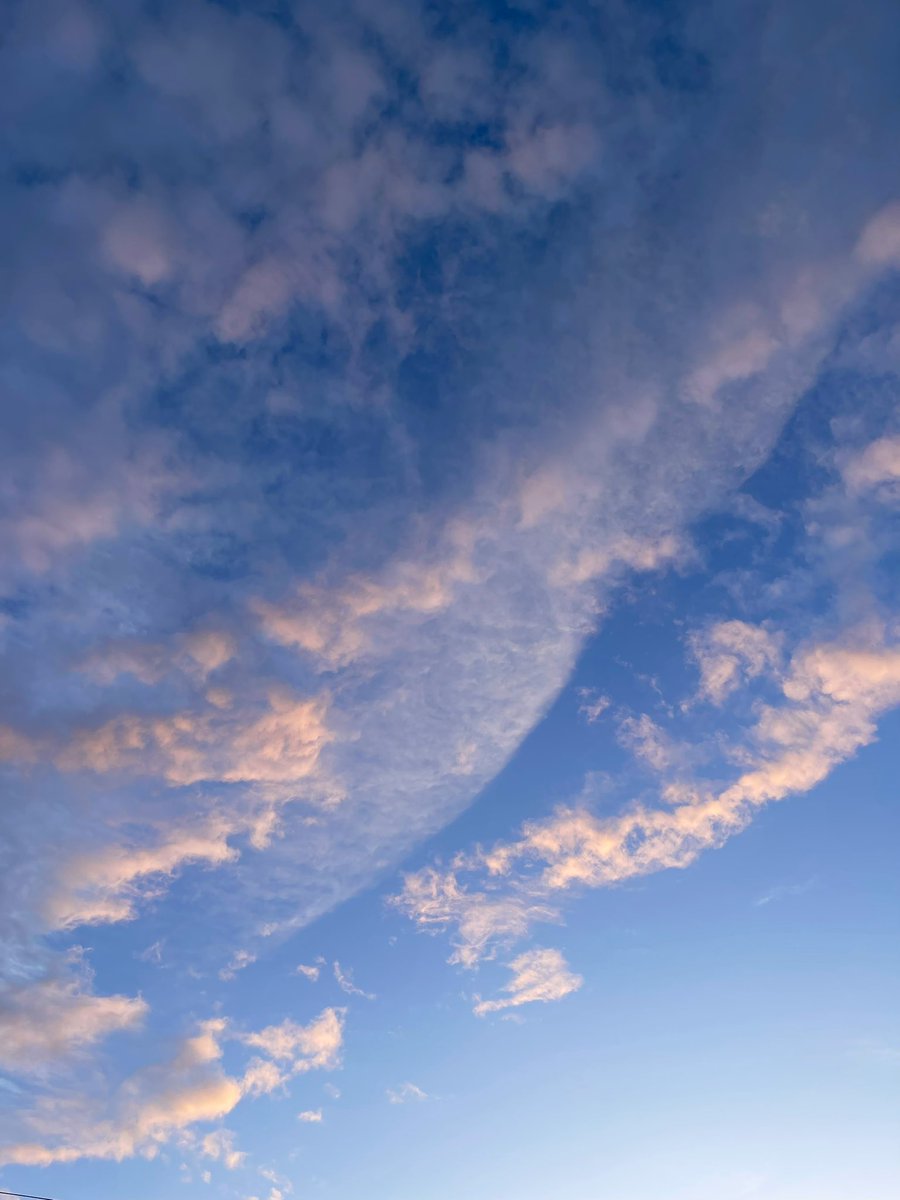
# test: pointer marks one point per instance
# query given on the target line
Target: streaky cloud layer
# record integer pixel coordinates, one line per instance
(356, 358)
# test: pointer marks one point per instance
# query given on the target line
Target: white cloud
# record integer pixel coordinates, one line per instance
(731, 652)
(538, 977)
(875, 466)
(239, 961)
(146, 1111)
(345, 983)
(316, 1046)
(312, 1116)
(406, 1093)
(436, 901)
(104, 885)
(338, 626)
(833, 693)
(46, 1020)
(593, 706)
(647, 742)
(625, 552)
(446, 626)
(219, 1145)
(163, 1101)
(61, 508)
(280, 745)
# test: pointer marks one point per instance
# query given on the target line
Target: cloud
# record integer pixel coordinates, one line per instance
(346, 984)
(281, 745)
(316, 1046)
(538, 976)
(60, 507)
(262, 1078)
(310, 972)
(594, 706)
(877, 465)
(368, 566)
(436, 901)
(166, 1100)
(219, 1145)
(296, 550)
(729, 653)
(833, 693)
(240, 960)
(137, 241)
(276, 750)
(152, 953)
(44, 1021)
(337, 626)
(739, 358)
(647, 742)
(781, 890)
(146, 1111)
(405, 1093)
(879, 242)
(105, 885)
(312, 1116)
(637, 554)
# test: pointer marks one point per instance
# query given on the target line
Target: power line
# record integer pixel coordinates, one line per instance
(24, 1195)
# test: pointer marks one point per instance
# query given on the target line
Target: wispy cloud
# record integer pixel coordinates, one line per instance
(781, 890)
(593, 706)
(239, 961)
(729, 653)
(46, 1020)
(345, 982)
(406, 1093)
(220, 1145)
(538, 977)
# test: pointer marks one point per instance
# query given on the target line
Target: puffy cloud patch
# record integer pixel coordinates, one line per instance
(143, 1114)
(316, 1046)
(163, 1101)
(876, 466)
(731, 652)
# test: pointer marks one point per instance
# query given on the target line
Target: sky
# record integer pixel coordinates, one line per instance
(449, 562)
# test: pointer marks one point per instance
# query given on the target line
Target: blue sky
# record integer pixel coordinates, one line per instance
(448, 600)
